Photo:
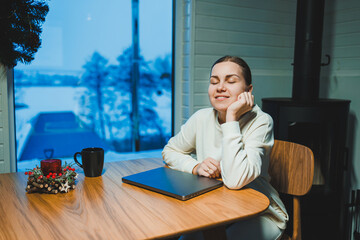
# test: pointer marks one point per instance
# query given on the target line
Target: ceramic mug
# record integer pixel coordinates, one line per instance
(92, 161)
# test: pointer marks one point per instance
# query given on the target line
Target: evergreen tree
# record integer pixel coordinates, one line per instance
(20, 29)
(162, 70)
(95, 78)
(149, 120)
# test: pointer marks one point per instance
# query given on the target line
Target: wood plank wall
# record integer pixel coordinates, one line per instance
(4, 123)
(183, 61)
(341, 79)
(262, 32)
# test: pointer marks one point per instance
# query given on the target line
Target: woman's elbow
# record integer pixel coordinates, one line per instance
(166, 151)
(238, 182)
(233, 184)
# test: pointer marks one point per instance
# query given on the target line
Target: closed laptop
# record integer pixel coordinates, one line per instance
(173, 183)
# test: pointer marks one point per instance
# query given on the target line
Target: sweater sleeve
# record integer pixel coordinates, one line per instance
(242, 158)
(177, 151)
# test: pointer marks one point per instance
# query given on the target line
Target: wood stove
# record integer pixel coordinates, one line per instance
(320, 124)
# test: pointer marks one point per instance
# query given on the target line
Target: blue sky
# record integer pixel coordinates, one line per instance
(73, 30)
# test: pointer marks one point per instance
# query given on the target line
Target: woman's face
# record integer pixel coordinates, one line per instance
(226, 84)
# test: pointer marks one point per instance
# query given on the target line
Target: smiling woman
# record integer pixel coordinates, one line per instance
(232, 140)
(229, 88)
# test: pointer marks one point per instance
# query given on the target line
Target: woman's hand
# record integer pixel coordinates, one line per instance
(243, 105)
(208, 168)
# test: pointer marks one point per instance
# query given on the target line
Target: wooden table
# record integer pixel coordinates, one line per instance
(106, 208)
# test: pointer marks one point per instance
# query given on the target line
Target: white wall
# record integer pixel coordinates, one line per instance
(7, 150)
(3, 112)
(183, 62)
(261, 32)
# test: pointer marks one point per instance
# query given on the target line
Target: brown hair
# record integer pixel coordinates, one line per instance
(239, 61)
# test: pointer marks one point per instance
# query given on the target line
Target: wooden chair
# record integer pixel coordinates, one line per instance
(292, 169)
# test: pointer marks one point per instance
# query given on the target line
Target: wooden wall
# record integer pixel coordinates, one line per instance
(262, 32)
(6, 123)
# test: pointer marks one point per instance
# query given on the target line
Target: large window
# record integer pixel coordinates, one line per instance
(78, 91)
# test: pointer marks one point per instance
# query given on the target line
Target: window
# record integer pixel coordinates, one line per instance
(77, 92)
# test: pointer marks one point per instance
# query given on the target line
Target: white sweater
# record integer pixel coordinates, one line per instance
(243, 149)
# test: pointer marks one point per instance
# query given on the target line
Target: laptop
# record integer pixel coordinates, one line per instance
(173, 183)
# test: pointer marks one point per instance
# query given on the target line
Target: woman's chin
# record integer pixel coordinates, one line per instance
(220, 107)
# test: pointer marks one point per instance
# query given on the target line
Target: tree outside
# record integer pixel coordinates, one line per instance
(106, 105)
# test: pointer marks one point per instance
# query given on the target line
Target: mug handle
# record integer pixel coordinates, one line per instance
(75, 155)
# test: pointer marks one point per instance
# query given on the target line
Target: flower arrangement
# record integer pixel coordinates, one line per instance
(51, 182)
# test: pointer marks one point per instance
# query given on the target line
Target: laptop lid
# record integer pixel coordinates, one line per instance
(173, 183)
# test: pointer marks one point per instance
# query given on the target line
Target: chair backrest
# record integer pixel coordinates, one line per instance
(291, 168)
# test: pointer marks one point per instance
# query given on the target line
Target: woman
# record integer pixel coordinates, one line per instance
(233, 139)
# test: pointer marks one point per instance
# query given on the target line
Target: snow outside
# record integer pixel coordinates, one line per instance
(59, 113)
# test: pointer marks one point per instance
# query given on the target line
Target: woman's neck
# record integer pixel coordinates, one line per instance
(222, 117)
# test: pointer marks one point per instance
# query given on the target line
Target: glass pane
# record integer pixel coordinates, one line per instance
(77, 92)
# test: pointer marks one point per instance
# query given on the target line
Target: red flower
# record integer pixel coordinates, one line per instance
(60, 174)
(26, 173)
(47, 176)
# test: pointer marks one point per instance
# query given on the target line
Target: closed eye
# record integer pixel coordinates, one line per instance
(232, 79)
(214, 81)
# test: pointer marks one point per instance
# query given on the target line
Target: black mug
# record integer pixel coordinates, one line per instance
(92, 161)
